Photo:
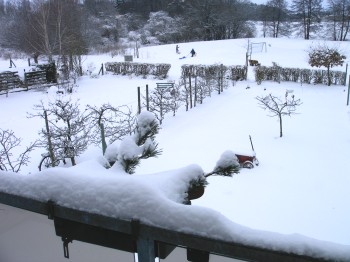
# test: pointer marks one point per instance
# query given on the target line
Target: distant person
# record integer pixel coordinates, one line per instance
(193, 53)
(177, 49)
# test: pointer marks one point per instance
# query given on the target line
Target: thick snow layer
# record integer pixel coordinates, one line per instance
(154, 200)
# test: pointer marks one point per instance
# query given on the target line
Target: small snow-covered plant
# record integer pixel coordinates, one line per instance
(127, 153)
(227, 165)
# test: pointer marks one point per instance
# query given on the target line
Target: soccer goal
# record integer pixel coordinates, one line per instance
(256, 48)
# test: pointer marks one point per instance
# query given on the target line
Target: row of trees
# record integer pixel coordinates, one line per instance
(308, 15)
(52, 27)
(68, 131)
(218, 19)
(65, 27)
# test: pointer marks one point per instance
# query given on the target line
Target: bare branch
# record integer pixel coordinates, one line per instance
(8, 143)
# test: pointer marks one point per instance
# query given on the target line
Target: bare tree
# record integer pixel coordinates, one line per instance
(277, 14)
(176, 98)
(309, 12)
(66, 129)
(161, 103)
(8, 143)
(109, 122)
(15, 24)
(277, 107)
(40, 39)
(340, 18)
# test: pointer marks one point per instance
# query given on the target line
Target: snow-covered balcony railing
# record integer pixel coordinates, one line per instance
(144, 214)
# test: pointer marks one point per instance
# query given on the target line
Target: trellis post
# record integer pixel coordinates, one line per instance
(147, 98)
(139, 99)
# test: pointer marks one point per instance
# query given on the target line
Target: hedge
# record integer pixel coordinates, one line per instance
(144, 69)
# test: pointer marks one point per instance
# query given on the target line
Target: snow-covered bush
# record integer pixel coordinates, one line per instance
(238, 72)
(327, 57)
(307, 76)
(227, 165)
(127, 153)
(144, 69)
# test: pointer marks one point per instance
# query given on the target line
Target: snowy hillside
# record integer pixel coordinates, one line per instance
(302, 183)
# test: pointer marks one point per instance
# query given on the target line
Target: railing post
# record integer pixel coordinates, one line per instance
(144, 246)
(145, 250)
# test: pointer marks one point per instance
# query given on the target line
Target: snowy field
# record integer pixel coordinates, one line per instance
(302, 183)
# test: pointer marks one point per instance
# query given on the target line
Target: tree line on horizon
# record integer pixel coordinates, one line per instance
(75, 27)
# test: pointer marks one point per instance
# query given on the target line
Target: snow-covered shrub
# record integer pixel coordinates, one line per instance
(227, 165)
(307, 76)
(259, 74)
(127, 153)
(238, 72)
(144, 69)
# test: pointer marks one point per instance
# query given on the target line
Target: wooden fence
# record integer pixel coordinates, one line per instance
(35, 78)
(9, 80)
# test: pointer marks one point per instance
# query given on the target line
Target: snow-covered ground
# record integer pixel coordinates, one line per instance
(302, 183)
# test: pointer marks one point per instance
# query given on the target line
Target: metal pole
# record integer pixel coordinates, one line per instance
(346, 73)
(251, 142)
(147, 98)
(139, 99)
(347, 101)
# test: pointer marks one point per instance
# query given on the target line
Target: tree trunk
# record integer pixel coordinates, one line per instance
(103, 139)
(190, 88)
(72, 158)
(329, 76)
(49, 142)
(195, 92)
(280, 118)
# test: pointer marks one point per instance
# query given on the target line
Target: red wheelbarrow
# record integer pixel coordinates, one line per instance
(248, 160)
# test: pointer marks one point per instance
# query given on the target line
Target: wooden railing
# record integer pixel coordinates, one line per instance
(147, 241)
